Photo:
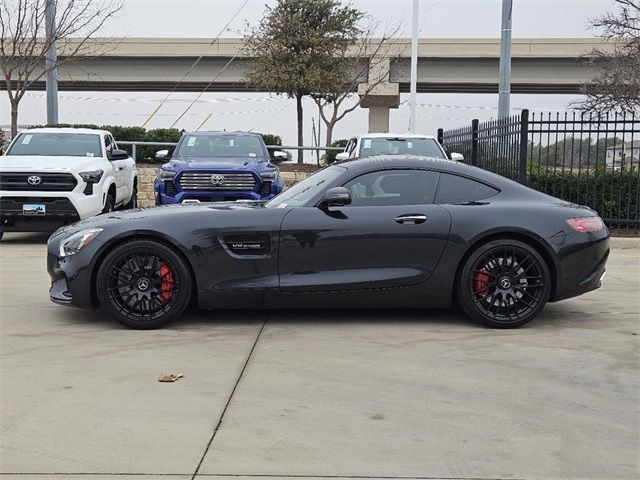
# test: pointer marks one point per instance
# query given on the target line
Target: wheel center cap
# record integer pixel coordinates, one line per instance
(505, 283)
(143, 284)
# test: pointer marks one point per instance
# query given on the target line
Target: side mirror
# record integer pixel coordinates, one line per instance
(280, 156)
(342, 156)
(336, 197)
(118, 154)
(162, 154)
(457, 157)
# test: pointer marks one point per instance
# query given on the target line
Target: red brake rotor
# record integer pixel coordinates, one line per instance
(166, 286)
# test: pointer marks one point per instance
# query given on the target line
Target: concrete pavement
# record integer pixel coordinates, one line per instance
(317, 394)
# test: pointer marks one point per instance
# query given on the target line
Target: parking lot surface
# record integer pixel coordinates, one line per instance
(317, 394)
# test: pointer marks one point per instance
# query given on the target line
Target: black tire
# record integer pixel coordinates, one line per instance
(133, 202)
(1, 235)
(504, 284)
(143, 284)
(109, 203)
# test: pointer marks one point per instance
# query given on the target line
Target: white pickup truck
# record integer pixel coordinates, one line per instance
(53, 176)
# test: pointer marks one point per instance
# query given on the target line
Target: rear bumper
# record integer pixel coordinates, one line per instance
(582, 264)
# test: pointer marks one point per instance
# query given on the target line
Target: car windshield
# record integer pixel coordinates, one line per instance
(426, 147)
(241, 146)
(305, 190)
(57, 144)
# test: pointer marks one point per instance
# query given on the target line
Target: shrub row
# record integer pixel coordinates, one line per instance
(613, 194)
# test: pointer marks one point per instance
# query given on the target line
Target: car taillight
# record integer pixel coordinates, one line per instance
(586, 224)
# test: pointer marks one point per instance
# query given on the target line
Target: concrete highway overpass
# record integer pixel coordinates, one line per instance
(470, 65)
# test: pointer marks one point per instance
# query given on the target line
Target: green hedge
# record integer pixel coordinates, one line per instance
(613, 194)
(330, 156)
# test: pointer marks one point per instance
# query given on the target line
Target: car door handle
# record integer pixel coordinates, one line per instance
(412, 219)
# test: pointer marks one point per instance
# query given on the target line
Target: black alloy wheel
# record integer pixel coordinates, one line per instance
(504, 283)
(143, 284)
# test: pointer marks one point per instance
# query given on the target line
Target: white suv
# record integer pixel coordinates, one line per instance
(395, 144)
(53, 176)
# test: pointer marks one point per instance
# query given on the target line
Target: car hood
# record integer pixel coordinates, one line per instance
(139, 216)
(46, 163)
(221, 163)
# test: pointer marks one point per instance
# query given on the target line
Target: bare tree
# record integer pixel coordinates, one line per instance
(24, 44)
(617, 88)
(371, 60)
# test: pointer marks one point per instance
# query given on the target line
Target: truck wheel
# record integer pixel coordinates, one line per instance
(133, 203)
(109, 204)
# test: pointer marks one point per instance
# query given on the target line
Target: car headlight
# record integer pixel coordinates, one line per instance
(166, 174)
(269, 175)
(78, 241)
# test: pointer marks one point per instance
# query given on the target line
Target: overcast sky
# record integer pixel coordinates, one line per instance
(275, 114)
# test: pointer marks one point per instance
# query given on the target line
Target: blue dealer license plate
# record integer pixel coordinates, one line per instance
(33, 209)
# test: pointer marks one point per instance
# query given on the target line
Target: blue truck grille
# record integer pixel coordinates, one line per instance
(217, 181)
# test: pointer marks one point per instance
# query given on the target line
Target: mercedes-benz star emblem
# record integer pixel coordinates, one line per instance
(505, 283)
(143, 284)
(217, 179)
(34, 180)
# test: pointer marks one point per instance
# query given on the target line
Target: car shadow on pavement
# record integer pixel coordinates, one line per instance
(31, 238)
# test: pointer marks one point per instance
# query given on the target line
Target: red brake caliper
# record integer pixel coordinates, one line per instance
(166, 287)
(481, 283)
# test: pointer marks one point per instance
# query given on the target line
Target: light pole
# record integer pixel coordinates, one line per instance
(505, 60)
(414, 69)
(50, 64)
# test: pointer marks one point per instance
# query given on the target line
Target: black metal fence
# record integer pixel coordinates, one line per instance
(586, 159)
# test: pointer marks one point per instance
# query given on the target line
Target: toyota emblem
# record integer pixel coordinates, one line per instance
(217, 179)
(34, 180)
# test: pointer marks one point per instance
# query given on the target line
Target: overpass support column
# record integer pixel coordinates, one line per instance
(379, 95)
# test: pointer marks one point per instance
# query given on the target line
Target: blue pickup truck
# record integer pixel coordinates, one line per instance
(215, 167)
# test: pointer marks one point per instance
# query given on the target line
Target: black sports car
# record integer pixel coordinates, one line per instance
(373, 232)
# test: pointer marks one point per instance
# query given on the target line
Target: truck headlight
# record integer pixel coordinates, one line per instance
(93, 176)
(166, 174)
(78, 241)
(269, 175)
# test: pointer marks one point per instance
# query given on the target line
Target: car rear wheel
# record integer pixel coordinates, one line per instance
(504, 283)
(143, 284)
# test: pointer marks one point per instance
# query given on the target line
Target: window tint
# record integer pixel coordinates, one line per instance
(393, 187)
(426, 147)
(57, 144)
(455, 189)
(221, 146)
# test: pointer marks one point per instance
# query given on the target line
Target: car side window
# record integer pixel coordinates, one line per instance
(456, 189)
(393, 187)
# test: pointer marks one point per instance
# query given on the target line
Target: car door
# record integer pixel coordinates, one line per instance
(119, 171)
(392, 235)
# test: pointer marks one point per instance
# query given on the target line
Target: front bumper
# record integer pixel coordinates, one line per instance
(60, 209)
(169, 192)
(71, 277)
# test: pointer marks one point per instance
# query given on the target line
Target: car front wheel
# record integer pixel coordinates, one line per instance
(143, 284)
(504, 283)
